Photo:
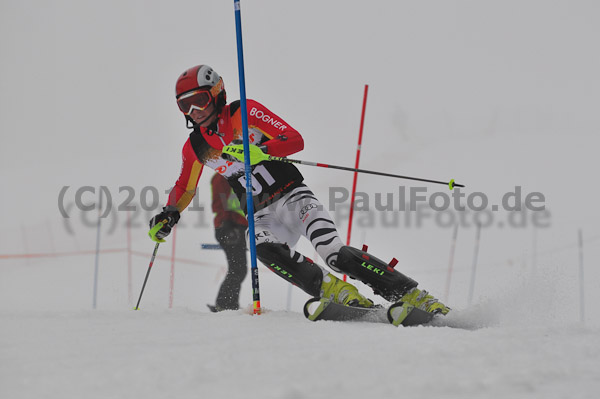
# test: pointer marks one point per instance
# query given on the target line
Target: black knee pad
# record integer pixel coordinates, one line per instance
(381, 277)
(295, 268)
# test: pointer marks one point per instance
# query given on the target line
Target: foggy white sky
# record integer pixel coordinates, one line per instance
(494, 94)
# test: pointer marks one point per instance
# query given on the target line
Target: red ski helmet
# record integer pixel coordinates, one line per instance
(197, 87)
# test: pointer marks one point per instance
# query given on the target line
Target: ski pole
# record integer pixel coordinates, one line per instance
(256, 156)
(152, 234)
(451, 184)
(137, 307)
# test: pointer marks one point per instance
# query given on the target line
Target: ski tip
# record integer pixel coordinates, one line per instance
(212, 308)
(398, 312)
(313, 308)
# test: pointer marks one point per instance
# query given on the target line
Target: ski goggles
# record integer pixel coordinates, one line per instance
(197, 99)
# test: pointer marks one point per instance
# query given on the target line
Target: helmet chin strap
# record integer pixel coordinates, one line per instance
(189, 122)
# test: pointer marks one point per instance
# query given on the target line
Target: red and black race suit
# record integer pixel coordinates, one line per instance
(271, 179)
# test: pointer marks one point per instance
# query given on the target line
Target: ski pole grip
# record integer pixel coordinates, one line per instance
(155, 229)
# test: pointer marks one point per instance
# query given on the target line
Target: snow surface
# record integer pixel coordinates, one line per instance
(186, 353)
(493, 94)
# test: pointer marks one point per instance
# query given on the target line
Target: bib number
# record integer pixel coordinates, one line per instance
(261, 178)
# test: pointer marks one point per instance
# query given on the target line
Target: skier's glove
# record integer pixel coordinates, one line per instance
(235, 153)
(161, 224)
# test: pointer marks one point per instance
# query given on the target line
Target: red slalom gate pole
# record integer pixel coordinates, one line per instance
(358, 148)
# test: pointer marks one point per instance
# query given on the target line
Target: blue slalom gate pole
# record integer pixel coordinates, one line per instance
(249, 198)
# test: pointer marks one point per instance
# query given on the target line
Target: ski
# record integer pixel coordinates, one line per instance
(407, 315)
(323, 309)
(213, 308)
(397, 314)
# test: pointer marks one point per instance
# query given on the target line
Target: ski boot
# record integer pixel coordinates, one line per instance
(343, 293)
(291, 266)
(385, 280)
(216, 308)
(308, 276)
(380, 276)
(424, 301)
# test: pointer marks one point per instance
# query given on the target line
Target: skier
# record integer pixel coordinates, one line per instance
(285, 208)
(230, 229)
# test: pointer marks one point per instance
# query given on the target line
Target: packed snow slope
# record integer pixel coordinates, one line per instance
(501, 96)
(187, 353)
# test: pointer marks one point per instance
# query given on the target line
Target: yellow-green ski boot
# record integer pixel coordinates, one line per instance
(343, 293)
(424, 301)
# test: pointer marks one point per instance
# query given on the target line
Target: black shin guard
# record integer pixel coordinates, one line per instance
(295, 268)
(377, 274)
